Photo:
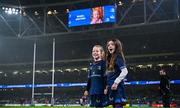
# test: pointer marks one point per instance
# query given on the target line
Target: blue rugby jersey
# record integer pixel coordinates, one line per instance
(111, 76)
(96, 78)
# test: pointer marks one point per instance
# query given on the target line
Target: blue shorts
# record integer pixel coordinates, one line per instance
(117, 96)
(98, 100)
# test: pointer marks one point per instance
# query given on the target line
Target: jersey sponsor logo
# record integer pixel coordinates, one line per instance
(99, 67)
(95, 75)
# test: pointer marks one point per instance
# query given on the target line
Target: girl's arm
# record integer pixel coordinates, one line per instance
(122, 75)
(86, 92)
(88, 84)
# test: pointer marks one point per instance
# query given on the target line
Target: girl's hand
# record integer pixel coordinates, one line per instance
(86, 93)
(114, 86)
(105, 91)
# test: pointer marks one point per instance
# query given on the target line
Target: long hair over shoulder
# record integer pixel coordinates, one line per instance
(110, 58)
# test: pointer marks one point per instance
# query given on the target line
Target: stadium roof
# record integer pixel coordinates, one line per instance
(132, 17)
(144, 29)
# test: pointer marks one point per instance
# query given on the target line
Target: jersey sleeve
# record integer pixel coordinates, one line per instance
(104, 74)
(121, 65)
(88, 84)
(89, 78)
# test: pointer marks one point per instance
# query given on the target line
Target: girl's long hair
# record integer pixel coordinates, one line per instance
(110, 58)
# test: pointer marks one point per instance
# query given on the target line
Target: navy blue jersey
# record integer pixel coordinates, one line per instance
(119, 64)
(96, 77)
(116, 96)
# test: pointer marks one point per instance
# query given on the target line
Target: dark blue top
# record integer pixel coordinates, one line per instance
(96, 78)
(111, 76)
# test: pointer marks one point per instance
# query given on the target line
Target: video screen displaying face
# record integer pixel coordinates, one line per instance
(96, 15)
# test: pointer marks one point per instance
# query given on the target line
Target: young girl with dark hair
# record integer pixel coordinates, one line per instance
(116, 72)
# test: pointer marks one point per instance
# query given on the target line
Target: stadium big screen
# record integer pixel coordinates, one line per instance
(96, 15)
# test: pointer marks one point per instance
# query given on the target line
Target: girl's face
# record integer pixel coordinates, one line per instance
(96, 53)
(95, 14)
(111, 47)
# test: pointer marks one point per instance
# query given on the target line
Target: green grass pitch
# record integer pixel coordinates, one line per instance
(58, 107)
